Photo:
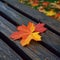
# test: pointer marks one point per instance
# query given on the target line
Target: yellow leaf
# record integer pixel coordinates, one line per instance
(50, 13)
(36, 36)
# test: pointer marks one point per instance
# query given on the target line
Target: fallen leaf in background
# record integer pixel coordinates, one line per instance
(34, 2)
(45, 3)
(50, 13)
(57, 15)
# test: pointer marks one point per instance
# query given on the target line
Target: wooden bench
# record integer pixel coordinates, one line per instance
(6, 53)
(12, 14)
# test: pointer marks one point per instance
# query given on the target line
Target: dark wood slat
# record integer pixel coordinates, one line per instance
(26, 50)
(18, 18)
(34, 47)
(52, 40)
(6, 53)
(52, 24)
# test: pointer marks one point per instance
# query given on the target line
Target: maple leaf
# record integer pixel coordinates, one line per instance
(50, 13)
(26, 33)
(40, 28)
(34, 2)
(57, 15)
(45, 3)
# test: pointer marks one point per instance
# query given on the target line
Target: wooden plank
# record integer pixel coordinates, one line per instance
(6, 53)
(34, 47)
(52, 40)
(26, 51)
(50, 23)
(15, 15)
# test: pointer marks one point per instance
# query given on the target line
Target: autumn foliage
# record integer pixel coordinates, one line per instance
(29, 32)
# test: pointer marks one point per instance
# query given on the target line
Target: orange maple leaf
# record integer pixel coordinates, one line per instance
(26, 33)
(34, 2)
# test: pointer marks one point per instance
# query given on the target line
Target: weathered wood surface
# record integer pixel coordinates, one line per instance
(10, 18)
(35, 15)
(34, 50)
(6, 53)
(49, 37)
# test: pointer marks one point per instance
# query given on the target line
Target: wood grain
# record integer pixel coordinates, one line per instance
(35, 15)
(6, 53)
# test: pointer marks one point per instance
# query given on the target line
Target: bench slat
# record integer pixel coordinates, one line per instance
(49, 37)
(34, 49)
(6, 53)
(54, 24)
